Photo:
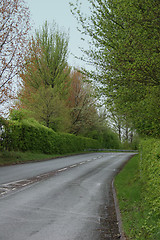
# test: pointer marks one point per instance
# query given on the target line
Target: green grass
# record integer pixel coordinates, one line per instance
(129, 192)
(9, 158)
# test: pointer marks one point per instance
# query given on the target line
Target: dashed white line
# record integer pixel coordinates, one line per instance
(63, 169)
(45, 175)
(82, 163)
(15, 182)
(2, 193)
(73, 165)
(26, 184)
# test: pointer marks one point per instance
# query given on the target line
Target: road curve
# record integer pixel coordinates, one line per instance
(69, 204)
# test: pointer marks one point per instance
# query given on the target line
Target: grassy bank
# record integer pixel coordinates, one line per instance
(11, 157)
(135, 210)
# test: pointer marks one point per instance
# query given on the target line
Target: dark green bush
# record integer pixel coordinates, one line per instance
(29, 135)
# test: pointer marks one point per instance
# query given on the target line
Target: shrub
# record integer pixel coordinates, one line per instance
(29, 135)
(106, 137)
(150, 176)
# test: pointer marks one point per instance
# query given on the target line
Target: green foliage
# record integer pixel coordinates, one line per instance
(106, 137)
(148, 121)
(125, 51)
(12, 157)
(18, 115)
(134, 145)
(29, 135)
(48, 109)
(53, 62)
(128, 188)
(46, 79)
(139, 200)
(150, 176)
(81, 103)
(138, 190)
(110, 139)
(47, 61)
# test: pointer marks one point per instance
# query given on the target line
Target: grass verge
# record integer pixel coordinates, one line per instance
(129, 190)
(10, 158)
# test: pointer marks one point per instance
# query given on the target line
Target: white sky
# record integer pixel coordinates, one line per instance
(58, 11)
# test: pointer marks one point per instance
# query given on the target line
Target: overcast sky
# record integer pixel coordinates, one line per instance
(59, 11)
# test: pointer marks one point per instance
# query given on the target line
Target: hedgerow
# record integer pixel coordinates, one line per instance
(29, 135)
(107, 138)
(150, 175)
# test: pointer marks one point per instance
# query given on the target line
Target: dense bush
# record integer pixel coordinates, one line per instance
(107, 138)
(110, 139)
(150, 176)
(29, 135)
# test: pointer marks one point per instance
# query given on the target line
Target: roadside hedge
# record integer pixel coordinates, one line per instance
(29, 135)
(150, 175)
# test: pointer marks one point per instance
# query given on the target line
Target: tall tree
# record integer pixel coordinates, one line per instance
(14, 27)
(81, 101)
(125, 51)
(47, 60)
(45, 78)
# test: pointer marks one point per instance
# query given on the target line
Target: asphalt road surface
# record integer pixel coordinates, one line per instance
(60, 199)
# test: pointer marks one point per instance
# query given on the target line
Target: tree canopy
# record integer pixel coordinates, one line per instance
(82, 104)
(45, 78)
(125, 49)
(47, 60)
(14, 27)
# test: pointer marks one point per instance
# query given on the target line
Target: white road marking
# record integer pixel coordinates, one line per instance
(15, 182)
(11, 186)
(26, 184)
(63, 169)
(73, 165)
(2, 193)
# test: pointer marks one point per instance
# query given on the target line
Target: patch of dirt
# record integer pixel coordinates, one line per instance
(111, 225)
(109, 229)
